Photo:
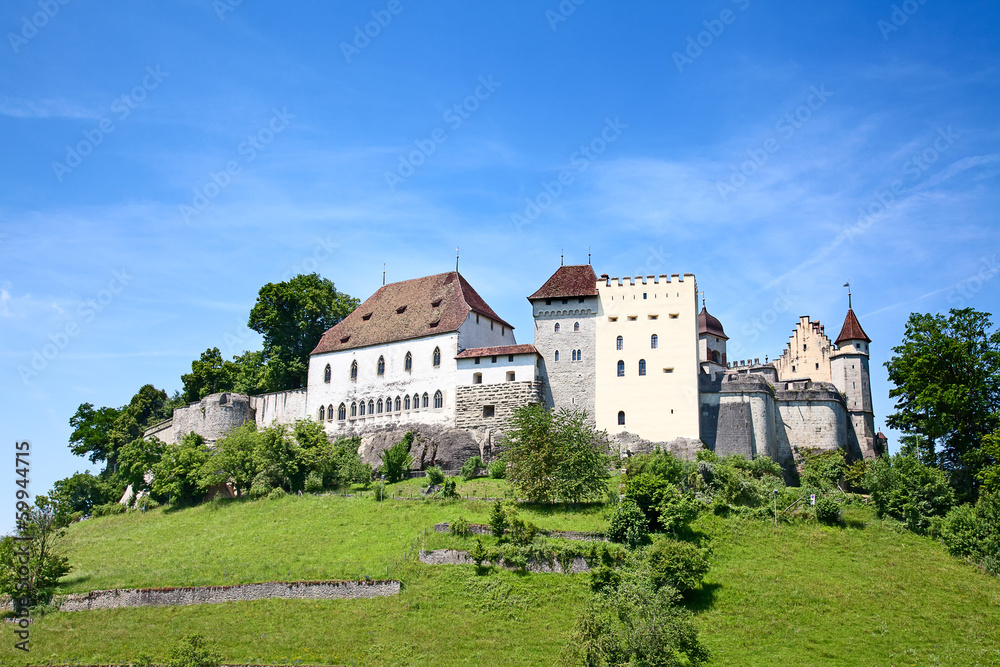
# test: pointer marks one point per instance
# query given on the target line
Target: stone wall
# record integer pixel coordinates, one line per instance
(473, 401)
(569, 384)
(448, 448)
(455, 557)
(813, 417)
(280, 407)
(211, 417)
(297, 590)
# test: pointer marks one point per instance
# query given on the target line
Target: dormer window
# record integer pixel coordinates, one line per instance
(401, 310)
(435, 304)
(345, 338)
(366, 317)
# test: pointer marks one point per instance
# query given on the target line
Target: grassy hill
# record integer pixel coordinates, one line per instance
(797, 594)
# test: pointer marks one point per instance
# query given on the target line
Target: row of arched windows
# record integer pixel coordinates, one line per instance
(654, 342)
(373, 407)
(576, 327)
(380, 366)
(621, 367)
(577, 355)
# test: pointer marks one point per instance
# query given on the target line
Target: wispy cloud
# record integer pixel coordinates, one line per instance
(44, 108)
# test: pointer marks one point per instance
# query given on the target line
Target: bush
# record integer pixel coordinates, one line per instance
(459, 527)
(603, 578)
(479, 554)
(905, 489)
(396, 460)
(677, 510)
(498, 469)
(628, 525)
(470, 469)
(145, 503)
(192, 652)
(314, 482)
(498, 519)
(679, 565)
(514, 557)
(823, 470)
(828, 511)
(647, 491)
(660, 464)
(435, 476)
(108, 509)
(277, 494)
(973, 532)
(449, 490)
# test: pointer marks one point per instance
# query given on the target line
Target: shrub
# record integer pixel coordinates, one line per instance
(498, 469)
(677, 510)
(498, 519)
(828, 511)
(108, 509)
(628, 525)
(277, 494)
(314, 482)
(459, 527)
(679, 565)
(470, 469)
(603, 577)
(479, 554)
(903, 488)
(521, 532)
(660, 464)
(396, 460)
(193, 652)
(514, 557)
(647, 491)
(449, 489)
(261, 486)
(435, 476)
(973, 532)
(823, 470)
(145, 503)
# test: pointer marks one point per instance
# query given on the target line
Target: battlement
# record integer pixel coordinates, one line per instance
(630, 281)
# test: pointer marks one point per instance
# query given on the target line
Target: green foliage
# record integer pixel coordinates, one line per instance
(555, 455)
(854, 476)
(471, 468)
(396, 460)
(136, 459)
(277, 493)
(903, 488)
(292, 316)
(604, 577)
(828, 511)
(31, 563)
(973, 532)
(277, 458)
(479, 554)
(498, 519)
(498, 469)
(178, 475)
(260, 487)
(677, 509)
(988, 459)
(946, 374)
(80, 493)
(435, 476)
(193, 651)
(628, 525)
(209, 374)
(459, 527)
(679, 565)
(661, 464)
(232, 459)
(145, 503)
(823, 470)
(647, 491)
(91, 436)
(636, 625)
(314, 482)
(108, 509)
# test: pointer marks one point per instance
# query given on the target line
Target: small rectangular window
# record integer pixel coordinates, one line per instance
(643, 295)
(674, 316)
(653, 317)
(488, 411)
(510, 357)
(510, 376)
(477, 361)
(612, 319)
(493, 359)
(633, 318)
(668, 370)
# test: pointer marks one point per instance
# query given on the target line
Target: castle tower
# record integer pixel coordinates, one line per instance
(850, 374)
(711, 342)
(565, 314)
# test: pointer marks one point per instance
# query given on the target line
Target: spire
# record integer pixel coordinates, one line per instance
(848, 286)
(562, 259)
(852, 329)
(383, 274)
(456, 259)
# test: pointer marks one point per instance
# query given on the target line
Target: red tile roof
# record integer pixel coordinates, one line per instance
(852, 329)
(406, 310)
(499, 350)
(567, 281)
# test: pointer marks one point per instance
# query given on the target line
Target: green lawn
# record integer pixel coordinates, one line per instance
(797, 594)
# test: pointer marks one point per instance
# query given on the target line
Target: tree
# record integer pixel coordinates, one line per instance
(292, 316)
(989, 472)
(396, 460)
(232, 459)
(906, 489)
(277, 458)
(209, 374)
(249, 373)
(136, 459)
(555, 455)
(79, 493)
(946, 374)
(91, 436)
(34, 546)
(178, 476)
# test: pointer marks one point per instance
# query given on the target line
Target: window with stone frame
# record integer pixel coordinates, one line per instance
(327, 373)
(342, 412)
(621, 368)
(438, 399)
(437, 357)
(381, 366)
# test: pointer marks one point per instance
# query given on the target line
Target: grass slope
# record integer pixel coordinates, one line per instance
(794, 595)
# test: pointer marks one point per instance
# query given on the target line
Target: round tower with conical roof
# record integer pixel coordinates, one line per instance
(850, 373)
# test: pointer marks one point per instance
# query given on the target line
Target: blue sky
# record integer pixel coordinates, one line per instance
(165, 160)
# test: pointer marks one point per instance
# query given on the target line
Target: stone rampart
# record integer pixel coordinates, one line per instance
(480, 405)
(295, 590)
(280, 407)
(212, 417)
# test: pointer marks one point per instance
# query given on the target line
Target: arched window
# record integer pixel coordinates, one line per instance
(329, 412)
(557, 355)
(556, 329)
(326, 374)
(579, 355)
(715, 356)
(322, 413)
(378, 406)
(408, 362)
(342, 412)
(354, 370)
(437, 357)
(371, 406)
(381, 365)
(354, 409)
(438, 399)
(406, 402)
(574, 355)
(654, 340)
(426, 400)
(416, 401)
(621, 417)
(621, 368)
(399, 404)
(642, 367)
(361, 409)
(576, 326)
(620, 344)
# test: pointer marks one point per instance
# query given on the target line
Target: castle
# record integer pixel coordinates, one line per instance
(635, 354)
